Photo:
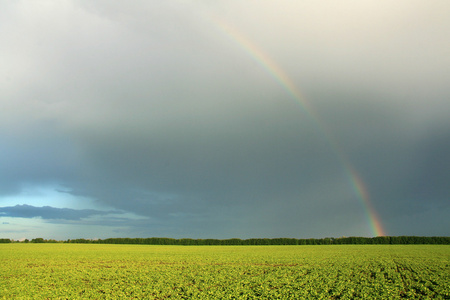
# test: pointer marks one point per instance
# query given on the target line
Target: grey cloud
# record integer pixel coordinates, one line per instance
(50, 213)
(152, 109)
(38, 154)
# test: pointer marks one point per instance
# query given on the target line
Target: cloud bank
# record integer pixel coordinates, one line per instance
(50, 213)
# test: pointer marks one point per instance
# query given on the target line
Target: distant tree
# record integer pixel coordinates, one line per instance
(264, 241)
(38, 240)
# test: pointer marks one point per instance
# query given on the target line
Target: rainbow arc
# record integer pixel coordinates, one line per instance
(265, 61)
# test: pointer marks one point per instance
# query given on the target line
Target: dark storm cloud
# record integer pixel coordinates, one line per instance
(50, 213)
(37, 154)
(151, 108)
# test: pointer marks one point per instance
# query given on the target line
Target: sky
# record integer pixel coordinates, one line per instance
(224, 119)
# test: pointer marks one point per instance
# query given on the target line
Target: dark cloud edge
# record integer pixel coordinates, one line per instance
(52, 213)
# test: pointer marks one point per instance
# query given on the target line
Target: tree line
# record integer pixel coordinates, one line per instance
(379, 240)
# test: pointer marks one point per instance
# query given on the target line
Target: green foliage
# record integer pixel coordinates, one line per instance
(38, 240)
(386, 240)
(379, 240)
(95, 271)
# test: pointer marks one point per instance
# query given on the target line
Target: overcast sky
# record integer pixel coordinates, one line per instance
(147, 118)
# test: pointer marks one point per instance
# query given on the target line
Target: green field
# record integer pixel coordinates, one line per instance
(76, 271)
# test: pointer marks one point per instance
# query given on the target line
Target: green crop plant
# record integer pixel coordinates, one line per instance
(95, 271)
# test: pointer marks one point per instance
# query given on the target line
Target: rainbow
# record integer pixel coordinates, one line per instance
(283, 79)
